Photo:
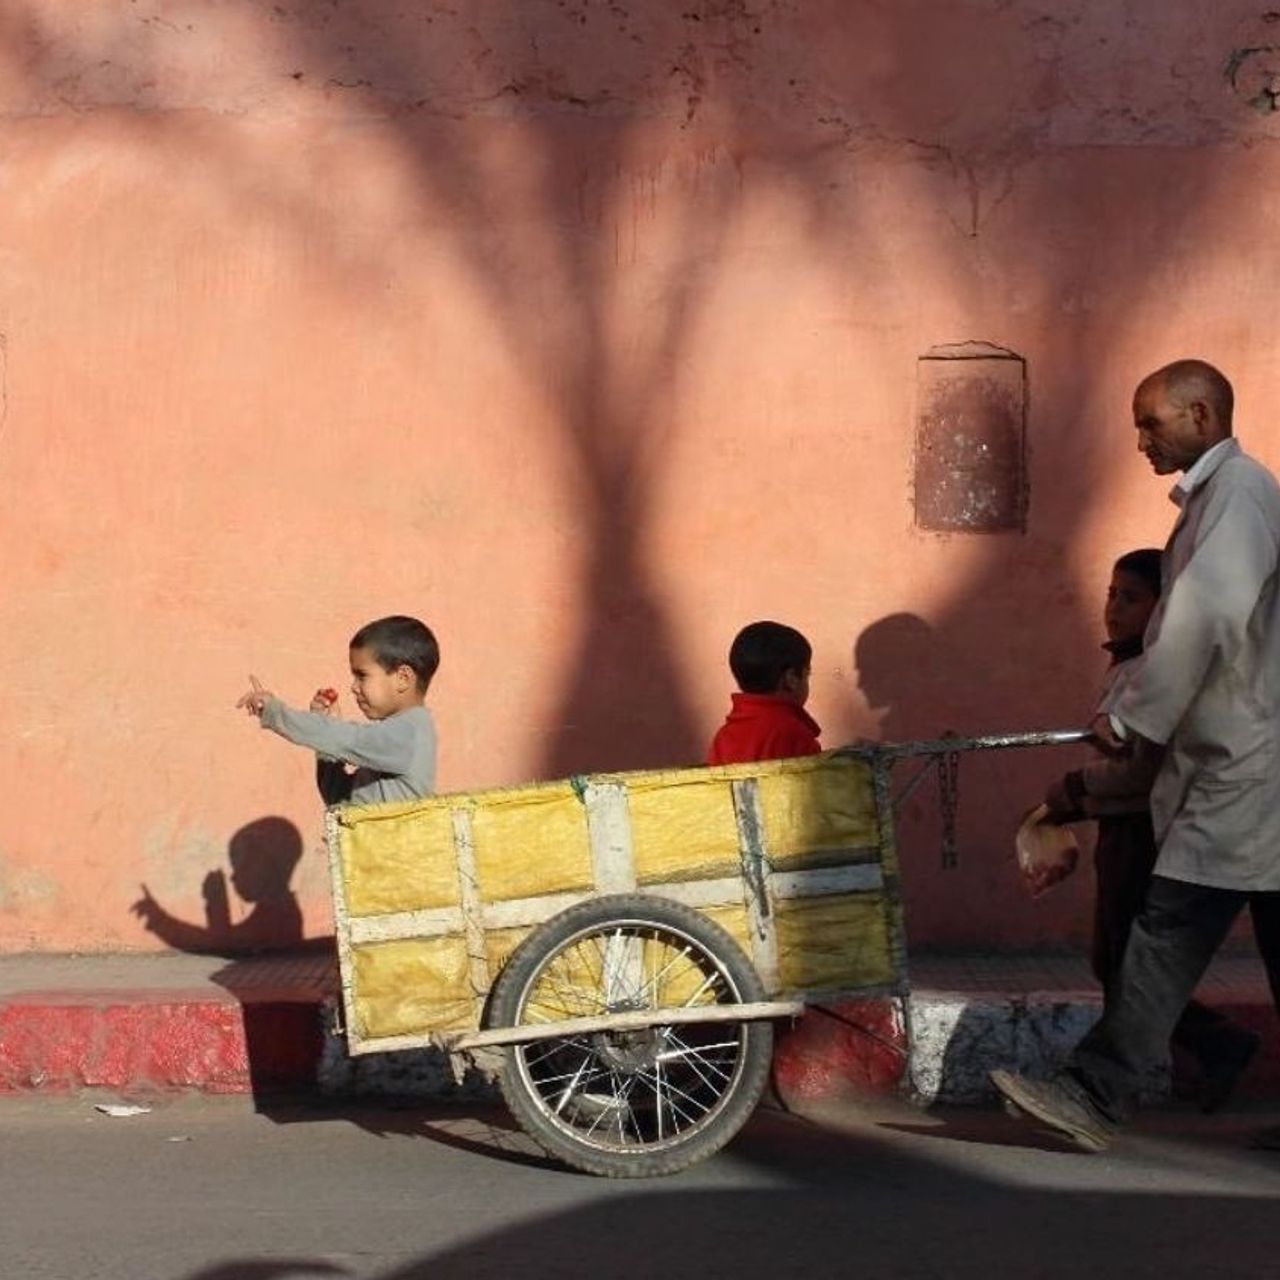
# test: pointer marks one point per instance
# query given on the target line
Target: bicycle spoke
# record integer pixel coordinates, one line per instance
(617, 1101)
(657, 1075)
(585, 1000)
(671, 1102)
(568, 1089)
(584, 1003)
(552, 1047)
(709, 981)
(683, 955)
(635, 1089)
(545, 1082)
(696, 1056)
(710, 1073)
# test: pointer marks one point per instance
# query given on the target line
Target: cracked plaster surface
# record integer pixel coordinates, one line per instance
(969, 93)
(970, 82)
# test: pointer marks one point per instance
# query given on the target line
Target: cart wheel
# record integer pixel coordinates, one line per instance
(631, 1104)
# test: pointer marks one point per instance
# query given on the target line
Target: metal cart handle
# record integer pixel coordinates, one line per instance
(946, 746)
(943, 754)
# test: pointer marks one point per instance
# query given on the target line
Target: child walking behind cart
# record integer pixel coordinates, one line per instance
(1116, 792)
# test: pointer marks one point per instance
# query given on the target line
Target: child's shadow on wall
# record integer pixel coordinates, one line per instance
(955, 829)
(283, 1030)
(900, 665)
(263, 855)
(907, 673)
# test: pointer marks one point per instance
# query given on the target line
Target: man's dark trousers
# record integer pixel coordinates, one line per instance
(1180, 928)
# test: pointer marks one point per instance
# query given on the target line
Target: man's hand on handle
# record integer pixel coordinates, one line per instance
(1103, 735)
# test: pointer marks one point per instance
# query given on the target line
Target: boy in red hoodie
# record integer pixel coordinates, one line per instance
(767, 721)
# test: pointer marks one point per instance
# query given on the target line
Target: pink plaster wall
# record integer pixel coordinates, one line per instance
(588, 332)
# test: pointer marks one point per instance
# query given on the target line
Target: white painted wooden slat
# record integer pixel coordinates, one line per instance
(609, 830)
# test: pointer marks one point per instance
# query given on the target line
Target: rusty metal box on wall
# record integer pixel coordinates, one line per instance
(970, 469)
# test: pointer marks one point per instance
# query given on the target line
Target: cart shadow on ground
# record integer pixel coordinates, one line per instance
(777, 1138)
(856, 1199)
(482, 1128)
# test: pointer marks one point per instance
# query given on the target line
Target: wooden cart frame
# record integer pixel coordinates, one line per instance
(762, 888)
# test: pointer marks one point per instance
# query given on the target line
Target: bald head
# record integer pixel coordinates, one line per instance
(1187, 382)
(1181, 411)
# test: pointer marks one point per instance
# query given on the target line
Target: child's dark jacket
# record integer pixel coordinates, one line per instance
(1117, 793)
(764, 726)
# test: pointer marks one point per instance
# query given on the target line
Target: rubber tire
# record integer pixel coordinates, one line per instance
(735, 1107)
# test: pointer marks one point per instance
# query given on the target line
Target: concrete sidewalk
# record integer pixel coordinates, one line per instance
(141, 1024)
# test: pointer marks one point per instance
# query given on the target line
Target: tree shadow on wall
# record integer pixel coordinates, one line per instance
(540, 143)
(752, 107)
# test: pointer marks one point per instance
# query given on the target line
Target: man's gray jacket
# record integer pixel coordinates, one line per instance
(1208, 683)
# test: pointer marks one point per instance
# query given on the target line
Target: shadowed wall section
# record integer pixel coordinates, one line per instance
(589, 332)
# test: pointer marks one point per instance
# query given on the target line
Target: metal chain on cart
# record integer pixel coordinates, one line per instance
(948, 804)
(943, 754)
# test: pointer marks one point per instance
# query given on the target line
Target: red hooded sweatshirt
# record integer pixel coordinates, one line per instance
(764, 726)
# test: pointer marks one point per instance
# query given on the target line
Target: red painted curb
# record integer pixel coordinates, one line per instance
(157, 1040)
(270, 1040)
(857, 1048)
(860, 1049)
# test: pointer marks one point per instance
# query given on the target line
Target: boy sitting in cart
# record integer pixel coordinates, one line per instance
(767, 721)
(393, 757)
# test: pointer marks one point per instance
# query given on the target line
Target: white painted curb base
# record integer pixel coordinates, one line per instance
(957, 1040)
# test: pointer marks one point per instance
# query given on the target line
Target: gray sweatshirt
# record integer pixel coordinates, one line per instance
(395, 758)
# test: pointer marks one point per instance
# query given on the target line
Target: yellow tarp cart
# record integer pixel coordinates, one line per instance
(627, 938)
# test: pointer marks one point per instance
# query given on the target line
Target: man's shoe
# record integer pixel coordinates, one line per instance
(1223, 1073)
(1057, 1107)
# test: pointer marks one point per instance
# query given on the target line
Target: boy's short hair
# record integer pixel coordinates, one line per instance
(401, 642)
(1145, 564)
(762, 652)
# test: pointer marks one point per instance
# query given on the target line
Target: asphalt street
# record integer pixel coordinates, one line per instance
(206, 1189)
